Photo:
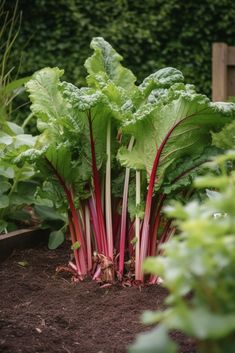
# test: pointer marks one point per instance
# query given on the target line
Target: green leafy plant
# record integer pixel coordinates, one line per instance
(117, 152)
(17, 188)
(198, 269)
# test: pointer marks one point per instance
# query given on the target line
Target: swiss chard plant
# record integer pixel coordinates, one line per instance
(198, 268)
(118, 151)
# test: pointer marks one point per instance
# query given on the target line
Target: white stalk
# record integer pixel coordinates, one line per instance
(137, 228)
(124, 214)
(108, 203)
(88, 237)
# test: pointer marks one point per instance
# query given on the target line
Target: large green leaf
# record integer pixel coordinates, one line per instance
(183, 126)
(105, 65)
(88, 101)
(156, 85)
(59, 158)
(46, 98)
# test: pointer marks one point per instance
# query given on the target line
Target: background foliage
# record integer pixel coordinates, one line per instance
(150, 34)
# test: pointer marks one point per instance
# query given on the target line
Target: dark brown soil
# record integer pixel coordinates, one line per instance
(41, 312)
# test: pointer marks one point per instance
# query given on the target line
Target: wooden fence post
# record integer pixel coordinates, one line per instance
(219, 72)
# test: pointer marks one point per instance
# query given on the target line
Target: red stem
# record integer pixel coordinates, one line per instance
(154, 233)
(94, 220)
(82, 249)
(145, 230)
(73, 240)
(123, 224)
(97, 191)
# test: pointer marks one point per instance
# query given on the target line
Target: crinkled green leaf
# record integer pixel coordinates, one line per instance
(83, 98)
(226, 137)
(155, 85)
(46, 98)
(183, 126)
(105, 65)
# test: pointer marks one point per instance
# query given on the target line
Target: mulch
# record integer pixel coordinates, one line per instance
(44, 312)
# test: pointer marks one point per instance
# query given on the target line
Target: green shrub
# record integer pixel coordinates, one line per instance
(198, 269)
(150, 35)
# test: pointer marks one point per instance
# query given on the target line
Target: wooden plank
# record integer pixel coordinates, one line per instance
(231, 56)
(219, 72)
(23, 238)
(231, 81)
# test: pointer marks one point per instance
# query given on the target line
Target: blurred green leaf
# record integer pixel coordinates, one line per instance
(56, 238)
(154, 341)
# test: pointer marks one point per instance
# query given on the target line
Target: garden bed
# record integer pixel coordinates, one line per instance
(44, 312)
(20, 239)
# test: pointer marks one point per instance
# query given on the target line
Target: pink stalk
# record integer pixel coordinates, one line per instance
(165, 235)
(97, 273)
(130, 236)
(88, 238)
(124, 216)
(108, 203)
(97, 191)
(77, 228)
(137, 228)
(145, 230)
(158, 215)
(73, 240)
(153, 240)
(95, 224)
(116, 223)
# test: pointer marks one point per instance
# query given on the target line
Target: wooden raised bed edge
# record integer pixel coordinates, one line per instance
(20, 239)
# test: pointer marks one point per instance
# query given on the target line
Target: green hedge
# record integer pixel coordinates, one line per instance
(149, 34)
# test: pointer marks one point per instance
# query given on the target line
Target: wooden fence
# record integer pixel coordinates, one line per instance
(223, 72)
